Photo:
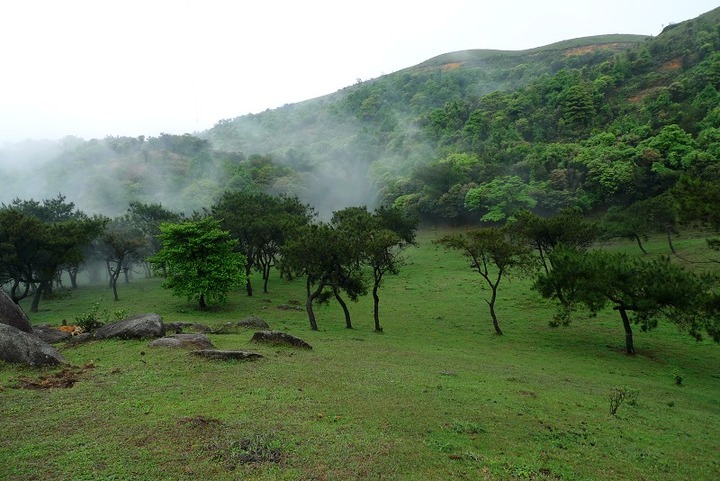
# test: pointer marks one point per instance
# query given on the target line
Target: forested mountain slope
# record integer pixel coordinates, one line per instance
(592, 122)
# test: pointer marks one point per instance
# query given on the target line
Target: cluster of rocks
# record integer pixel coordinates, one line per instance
(22, 343)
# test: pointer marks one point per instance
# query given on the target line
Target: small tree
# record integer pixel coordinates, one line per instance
(120, 244)
(494, 254)
(328, 260)
(646, 289)
(199, 260)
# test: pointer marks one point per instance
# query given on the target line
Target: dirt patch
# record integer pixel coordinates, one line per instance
(642, 94)
(672, 65)
(576, 51)
(66, 378)
(451, 66)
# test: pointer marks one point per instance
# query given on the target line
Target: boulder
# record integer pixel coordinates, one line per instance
(227, 355)
(21, 347)
(279, 337)
(12, 315)
(142, 326)
(50, 334)
(80, 339)
(180, 327)
(186, 341)
(253, 322)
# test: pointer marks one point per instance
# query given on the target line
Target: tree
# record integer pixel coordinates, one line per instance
(37, 239)
(260, 223)
(629, 223)
(199, 260)
(328, 260)
(494, 253)
(502, 197)
(146, 218)
(646, 289)
(393, 232)
(121, 244)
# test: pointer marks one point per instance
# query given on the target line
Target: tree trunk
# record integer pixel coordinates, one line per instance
(126, 271)
(670, 243)
(203, 305)
(13, 291)
(113, 282)
(248, 287)
(266, 277)
(629, 346)
(348, 323)
(376, 308)
(309, 303)
(73, 272)
(109, 272)
(639, 243)
(491, 305)
(34, 307)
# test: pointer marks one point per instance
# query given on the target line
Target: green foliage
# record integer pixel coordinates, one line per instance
(618, 395)
(648, 289)
(501, 197)
(96, 318)
(494, 253)
(199, 260)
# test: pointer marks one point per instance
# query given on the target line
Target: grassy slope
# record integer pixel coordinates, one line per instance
(437, 396)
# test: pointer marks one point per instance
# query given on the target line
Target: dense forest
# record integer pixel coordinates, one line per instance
(596, 123)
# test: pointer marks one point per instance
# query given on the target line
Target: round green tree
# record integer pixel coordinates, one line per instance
(199, 260)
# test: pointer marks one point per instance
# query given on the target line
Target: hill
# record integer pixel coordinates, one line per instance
(584, 122)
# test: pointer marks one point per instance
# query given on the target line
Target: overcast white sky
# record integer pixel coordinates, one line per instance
(93, 68)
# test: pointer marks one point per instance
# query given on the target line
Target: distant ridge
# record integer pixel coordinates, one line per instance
(478, 56)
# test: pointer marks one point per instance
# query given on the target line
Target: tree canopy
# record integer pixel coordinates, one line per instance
(199, 260)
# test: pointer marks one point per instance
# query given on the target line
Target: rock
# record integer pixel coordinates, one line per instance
(227, 355)
(187, 341)
(21, 347)
(80, 339)
(179, 327)
(278, 337)
(50, 334)
(253, 322)
(142, 326)
(12, 315)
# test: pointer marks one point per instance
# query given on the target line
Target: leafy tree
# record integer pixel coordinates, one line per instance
(502, 197)
(261, 223)
(37, 239)
(199, 260)
(567, 228)
(648, 290)
(121, 244)
(146, 218)
(329, 261)
(630, 223)
(494, 253)
(377, 240)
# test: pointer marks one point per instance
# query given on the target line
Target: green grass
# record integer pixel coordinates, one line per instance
(436, 396)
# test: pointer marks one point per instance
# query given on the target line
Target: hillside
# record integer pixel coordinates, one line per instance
(590, 122)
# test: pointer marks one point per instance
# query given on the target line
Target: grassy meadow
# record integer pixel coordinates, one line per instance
(437, 396)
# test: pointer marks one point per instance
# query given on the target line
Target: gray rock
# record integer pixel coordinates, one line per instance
(12, 315)
(253, 322)
(50, 334)
(80, 339)
(227, 355)
(186, 341)
(279, 337)
(180, 327)
(142, 326)
(21, 347)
